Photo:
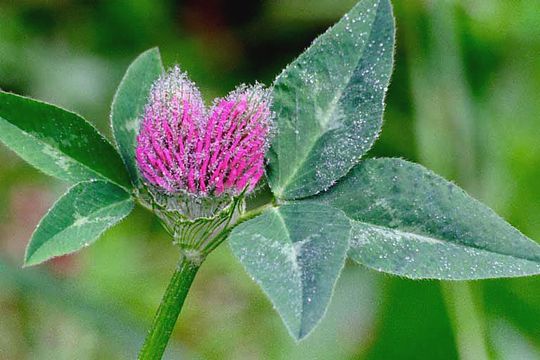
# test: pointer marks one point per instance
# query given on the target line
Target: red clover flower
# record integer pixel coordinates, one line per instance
(184, 147)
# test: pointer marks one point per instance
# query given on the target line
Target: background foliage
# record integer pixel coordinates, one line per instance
(462, 102)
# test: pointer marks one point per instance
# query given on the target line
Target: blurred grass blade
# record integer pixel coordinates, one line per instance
(128, 104)
(467, 320)
(412, 324)
(510, 344)
(410, 222)
(77, 219)
(295, 253)
(329, 102)
(58, 142)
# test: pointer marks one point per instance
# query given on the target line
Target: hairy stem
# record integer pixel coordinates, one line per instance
(169, 309)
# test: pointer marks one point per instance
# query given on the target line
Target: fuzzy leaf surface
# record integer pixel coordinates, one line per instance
(129, 102)
(58, 142)
(295, 253)
(329, 102)
(77, 219)
(410, 222)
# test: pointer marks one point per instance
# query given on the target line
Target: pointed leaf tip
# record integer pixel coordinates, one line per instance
(296, 259)
(129, 102)
(57, 141)
(329, 102)
(410, 222)
(77, 219)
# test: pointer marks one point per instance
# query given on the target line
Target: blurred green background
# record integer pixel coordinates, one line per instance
(464, 101)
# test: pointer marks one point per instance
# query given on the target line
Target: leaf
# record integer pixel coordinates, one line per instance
(411, 222)
(77, 219)
(329, 102)
(58, 142)
(295, 253)
(129, 102)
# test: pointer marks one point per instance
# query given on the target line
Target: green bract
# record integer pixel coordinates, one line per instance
(388, 214)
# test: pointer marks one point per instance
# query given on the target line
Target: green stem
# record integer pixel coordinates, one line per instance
(171, 304)
(169, 309)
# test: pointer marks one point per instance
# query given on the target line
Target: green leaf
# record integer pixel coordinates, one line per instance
(129, 102)
(58, 142)
(411, 222)
(295, 253)
(77, 219)
(329, 102)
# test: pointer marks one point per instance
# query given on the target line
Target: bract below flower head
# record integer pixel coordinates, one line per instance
(182, 147)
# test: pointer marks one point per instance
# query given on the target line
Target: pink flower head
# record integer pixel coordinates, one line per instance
(182, 146)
